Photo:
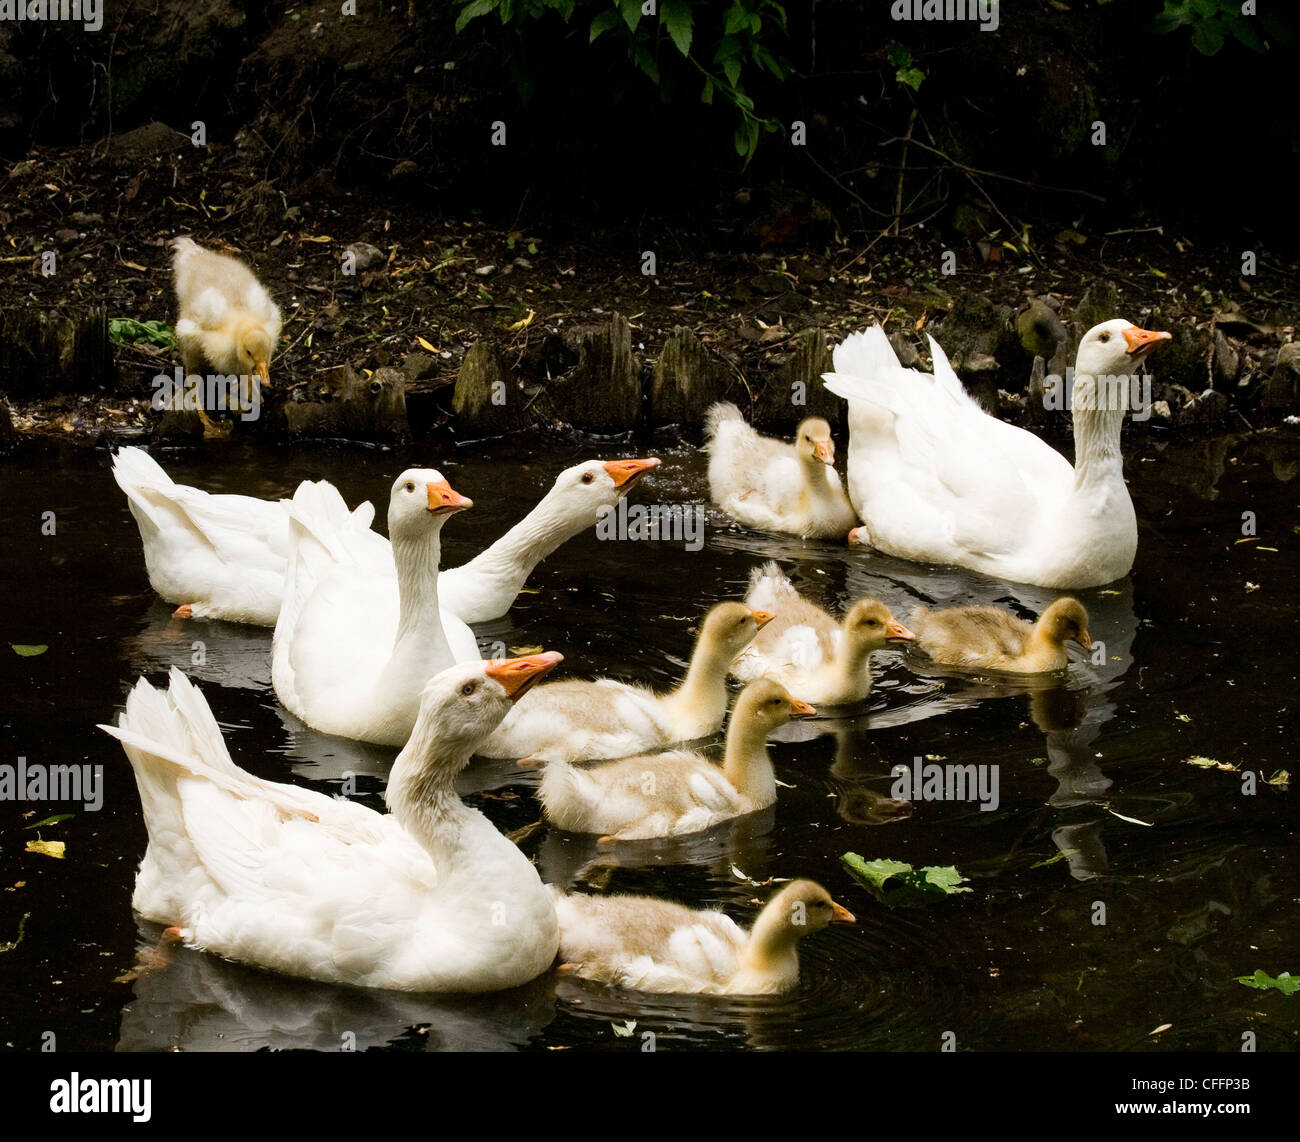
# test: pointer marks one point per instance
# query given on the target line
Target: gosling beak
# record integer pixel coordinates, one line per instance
(626, 473)
(1142, 341)
(898, 632)
(824, 450)
(443, 499)
(264, 372)
(800, 709)
(841, 915)
(1084, 640)
(855, 539)
(516, 675)
(763, 618)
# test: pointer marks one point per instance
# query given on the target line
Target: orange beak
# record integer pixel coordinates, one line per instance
(443, 499)
(516, 675)
(800, 709)
(824, 450)
(1084, 640)
(628, 472)
(841, 915)
(264, 372)
(855, 539)
(763, 618)
(898, 631)
(1142, 341)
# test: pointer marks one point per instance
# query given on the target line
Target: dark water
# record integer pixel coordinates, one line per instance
(1200, 885)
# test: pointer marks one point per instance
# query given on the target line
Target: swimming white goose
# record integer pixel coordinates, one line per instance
(429, 897)
(343, 658)
(223, 556)
(816, 658)
(993, 639)
(936, 479)
(672, 794)
(773, 486)
(576, 721)
(654, 945)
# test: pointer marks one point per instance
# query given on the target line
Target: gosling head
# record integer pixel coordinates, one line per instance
(1064, 621)
(766, 704)
(253, 351)
(730, 627)
(463, 704)
(813, 441)
(419, 497)
(804, 906)
(870, 625)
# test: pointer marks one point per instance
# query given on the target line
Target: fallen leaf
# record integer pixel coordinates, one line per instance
(1163, 1026)
(28, 651)
(1263, 981)
(1282, 779)
(12, 944)
(425, 345)
(47, 848)
(623, 1030)
(54, 820)
(522, 323)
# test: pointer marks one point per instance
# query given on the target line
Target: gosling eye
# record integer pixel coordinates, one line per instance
(410, 487)
(774, 701)
(587, 477)
(469, 688)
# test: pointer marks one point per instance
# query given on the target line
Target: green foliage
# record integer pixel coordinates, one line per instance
(28, 651)
(129, 331)
(1212, 22)
(897, 882)
(900, 58)
(726, 46)
(1263, 981)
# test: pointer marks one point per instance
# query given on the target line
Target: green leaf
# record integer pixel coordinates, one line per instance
(1207, 37)
(912, 76)
(898, 54)
(631, 10)
(1263, 981)
(26, 651)
(737, 17)
(706, 93)
(602, 23)
(676, 17)
(731, 69)
(646, 62)
(129, 331)
(54, 820)
(941, 879)
(472, 11)
(623, 1030)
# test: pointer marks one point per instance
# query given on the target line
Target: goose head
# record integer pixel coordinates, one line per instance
(463, 704)
(870, 625)
(1064, 621)
(764, 705)
(813, 443)
(801, 907)
(594, 484)
(421, 498)
(1114, 349)
(728, 628)
(253, 350)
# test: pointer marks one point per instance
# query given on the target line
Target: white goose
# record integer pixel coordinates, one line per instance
(936, 479)
(427, 898)
(224, 556)
(344, 659)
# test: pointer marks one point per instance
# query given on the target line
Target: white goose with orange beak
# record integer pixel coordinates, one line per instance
(427, 897)
(339, 660)
(936, 479)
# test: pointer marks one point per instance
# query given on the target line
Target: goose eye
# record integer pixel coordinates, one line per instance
(1104, 337)
(468, 688)
(587, 477)
(410, 487)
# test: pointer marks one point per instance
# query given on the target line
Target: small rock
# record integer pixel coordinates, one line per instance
(366, 255)
(1227, 362)
(1160, 409)
(485, 271)
(85, 218)
(418, 366)
(404, 169)
(66, 236)
(1282, 389)
(1040, 329)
